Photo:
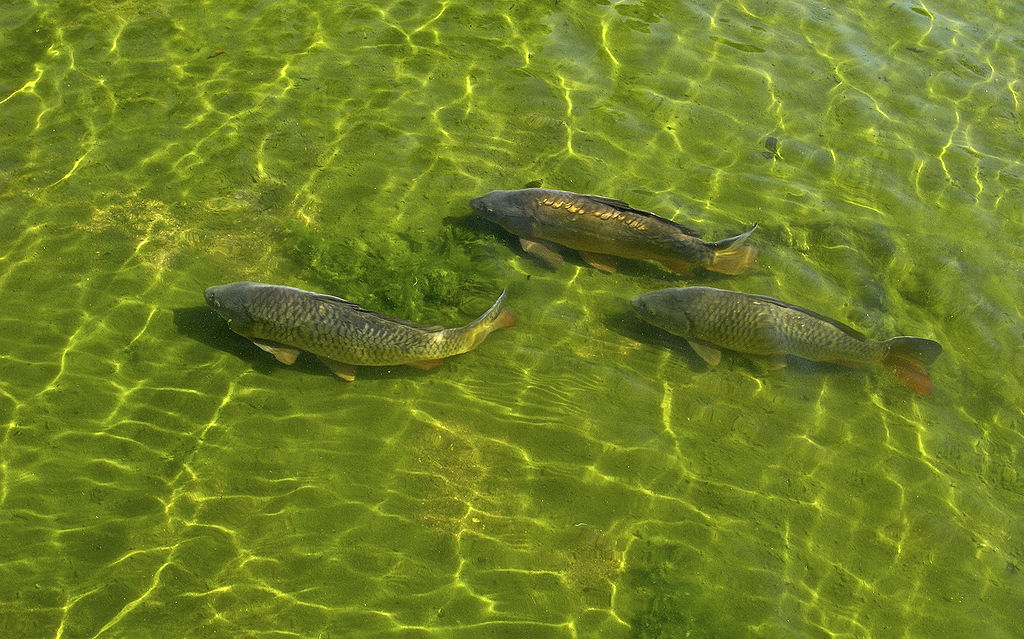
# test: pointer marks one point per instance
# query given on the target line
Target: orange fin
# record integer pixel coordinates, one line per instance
(346, 372)
(912, 374)
(426, 364)
(907, 356)
(678, 266)
(599, 261)
(506, 318)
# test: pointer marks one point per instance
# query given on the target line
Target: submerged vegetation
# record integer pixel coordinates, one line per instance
(439, 280)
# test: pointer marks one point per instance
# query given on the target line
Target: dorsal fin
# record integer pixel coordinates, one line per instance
(355, 308)
(619, 205)
(852, 332)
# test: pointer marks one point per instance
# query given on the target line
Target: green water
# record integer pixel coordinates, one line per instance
(578, 475)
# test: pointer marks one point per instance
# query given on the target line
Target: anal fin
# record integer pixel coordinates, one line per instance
(677, 266)
(345, 371)
(426, 364)
(769, 362)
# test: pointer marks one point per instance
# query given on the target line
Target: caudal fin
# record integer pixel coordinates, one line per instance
(505, 319)
(731, 256)
(907, 357)
(495, 318)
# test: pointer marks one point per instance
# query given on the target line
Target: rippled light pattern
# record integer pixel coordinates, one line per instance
(579, 475)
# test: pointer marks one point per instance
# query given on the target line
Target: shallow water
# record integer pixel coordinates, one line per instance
(579, 475)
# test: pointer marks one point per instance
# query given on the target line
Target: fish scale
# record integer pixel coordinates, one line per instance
(340, 332)
(282, 320)
(766, 327)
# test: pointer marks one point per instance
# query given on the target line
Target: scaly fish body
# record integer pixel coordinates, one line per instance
(598, 226)
(284, 320)
(770, 328)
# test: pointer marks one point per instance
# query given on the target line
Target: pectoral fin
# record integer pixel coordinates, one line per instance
(345, 371)
(709, 354)
(599, 261)
(427, 364)
(543, 251)
(283, 354)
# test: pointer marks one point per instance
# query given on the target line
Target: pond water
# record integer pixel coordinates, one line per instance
(580, 474)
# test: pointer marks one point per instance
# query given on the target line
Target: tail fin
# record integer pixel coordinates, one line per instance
(907, 357)
(731, 256)
(494, 318)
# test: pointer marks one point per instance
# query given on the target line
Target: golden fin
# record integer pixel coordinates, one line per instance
(600, 261)
(505, 319)
(733, 260)
(543, 251)
(731, 256)
(346, 372)
(677, 266)
(284, 354)
(426, 364)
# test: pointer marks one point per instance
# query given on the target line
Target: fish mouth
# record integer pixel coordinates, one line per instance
(639, 306)
(477, 204)
(211, 298)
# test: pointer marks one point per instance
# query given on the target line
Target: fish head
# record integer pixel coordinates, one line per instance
(666, 309)
(230, 302)
(504, 208)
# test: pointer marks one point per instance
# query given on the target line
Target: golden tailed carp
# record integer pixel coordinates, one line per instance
(601, 227)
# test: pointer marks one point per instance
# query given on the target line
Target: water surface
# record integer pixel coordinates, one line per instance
(579, 475)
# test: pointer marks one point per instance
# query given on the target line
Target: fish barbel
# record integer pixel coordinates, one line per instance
(283, 321)
(599, 227)
(768, 328)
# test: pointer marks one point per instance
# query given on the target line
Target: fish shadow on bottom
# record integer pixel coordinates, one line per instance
(204, 325)
(626, 324)
(623, 266)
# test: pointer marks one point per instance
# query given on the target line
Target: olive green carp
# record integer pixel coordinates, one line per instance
(283, 321)
(601, 227)
(769, 329)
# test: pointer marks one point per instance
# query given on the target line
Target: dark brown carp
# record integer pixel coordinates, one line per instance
(599, 227)
(768, 328)
(283, 321)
